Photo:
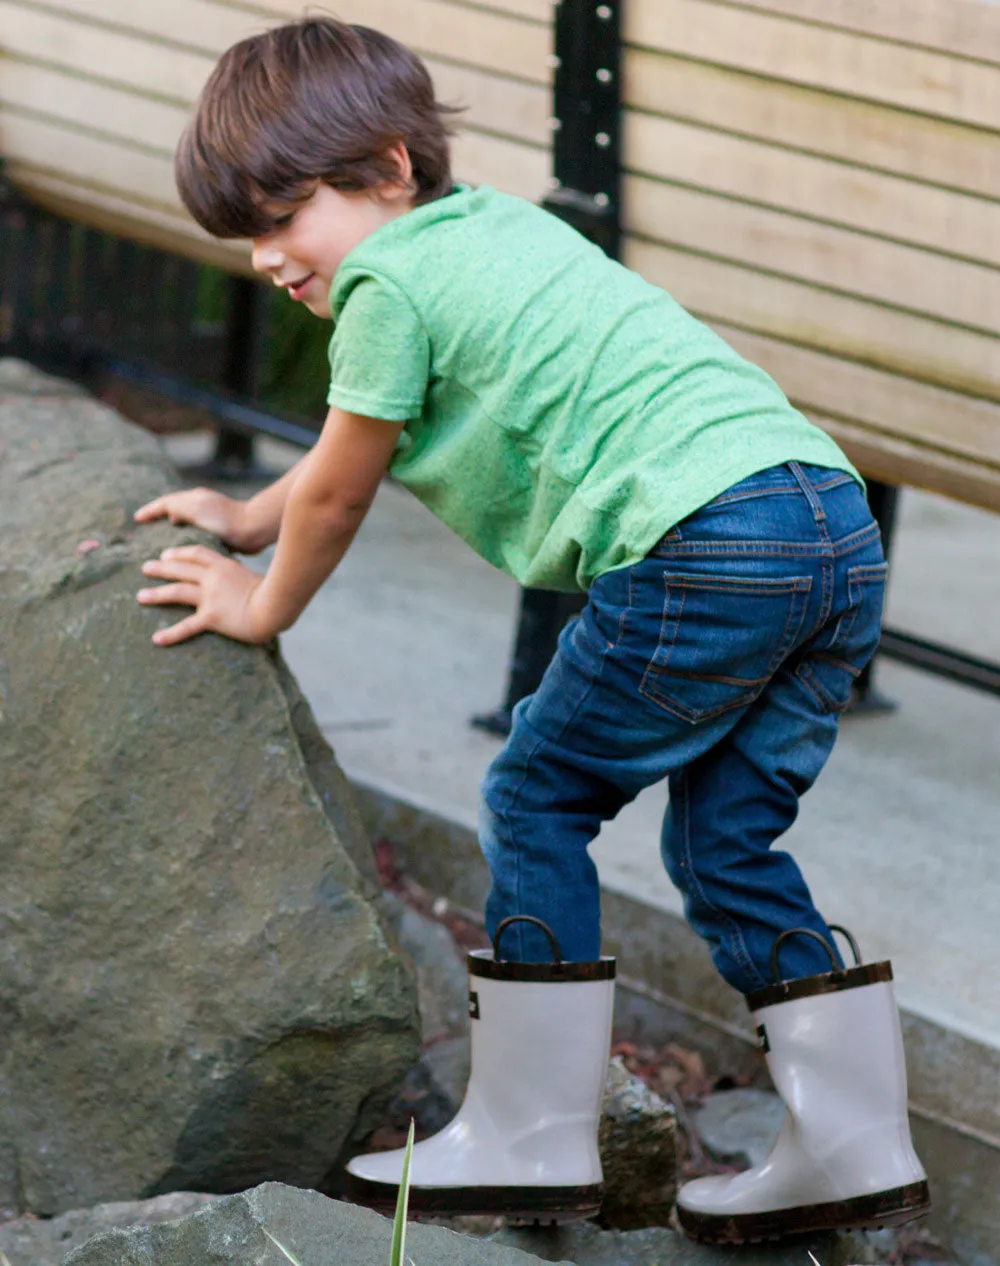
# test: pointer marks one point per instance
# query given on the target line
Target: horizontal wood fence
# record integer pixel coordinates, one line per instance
(819, 179)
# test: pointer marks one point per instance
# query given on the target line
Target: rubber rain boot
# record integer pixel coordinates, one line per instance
(524, 1142)
(843, 1158)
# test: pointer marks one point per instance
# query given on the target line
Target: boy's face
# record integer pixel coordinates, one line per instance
(310, 239)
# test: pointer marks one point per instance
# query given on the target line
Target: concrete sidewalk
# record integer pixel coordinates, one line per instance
(898, 839)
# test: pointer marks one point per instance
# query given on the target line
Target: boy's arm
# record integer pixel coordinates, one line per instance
(323, 507)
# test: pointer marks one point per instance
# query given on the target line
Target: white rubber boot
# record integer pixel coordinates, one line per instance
(844, 1158)
(524, 1142)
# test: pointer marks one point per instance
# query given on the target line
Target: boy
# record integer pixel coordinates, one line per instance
(580, 431)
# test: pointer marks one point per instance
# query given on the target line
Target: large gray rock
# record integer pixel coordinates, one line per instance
(245, 1230)
(197, 990)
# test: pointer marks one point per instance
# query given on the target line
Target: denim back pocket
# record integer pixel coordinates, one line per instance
(834, 660)
(721, 639)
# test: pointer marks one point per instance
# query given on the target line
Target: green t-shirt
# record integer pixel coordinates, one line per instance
(561, 412)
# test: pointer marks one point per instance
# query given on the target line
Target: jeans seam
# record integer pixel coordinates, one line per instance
(738, 945)
(782, 490)
(516, 791)
(743, 549)
(809, 492)
(863, 536)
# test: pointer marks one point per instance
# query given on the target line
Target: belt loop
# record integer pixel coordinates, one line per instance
(808, 491)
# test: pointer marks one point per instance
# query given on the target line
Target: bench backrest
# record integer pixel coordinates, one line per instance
(819, 179)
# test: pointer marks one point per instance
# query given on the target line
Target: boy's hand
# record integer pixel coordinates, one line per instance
(201, 507)
(220, 589)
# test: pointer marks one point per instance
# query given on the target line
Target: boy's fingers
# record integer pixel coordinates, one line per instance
(173, 569)
(191, 627)
(151, 510)
(170, 595)
(191, 553)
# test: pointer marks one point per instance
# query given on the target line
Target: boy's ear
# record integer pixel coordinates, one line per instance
(403, 186)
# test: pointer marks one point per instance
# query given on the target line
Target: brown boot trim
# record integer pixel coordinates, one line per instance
(524, 1203)
(813, 986)
(881, 1208)
(482, 963)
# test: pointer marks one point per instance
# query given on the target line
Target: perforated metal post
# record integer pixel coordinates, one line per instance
(585, 191)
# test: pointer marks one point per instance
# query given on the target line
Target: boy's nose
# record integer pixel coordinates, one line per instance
(264, 257)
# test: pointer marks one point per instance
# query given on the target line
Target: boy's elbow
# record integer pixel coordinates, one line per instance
(339, 516)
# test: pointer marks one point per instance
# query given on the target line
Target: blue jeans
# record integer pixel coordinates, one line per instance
(721, 661)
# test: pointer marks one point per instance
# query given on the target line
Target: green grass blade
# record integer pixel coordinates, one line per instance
(281, 1248)
(402, 1204)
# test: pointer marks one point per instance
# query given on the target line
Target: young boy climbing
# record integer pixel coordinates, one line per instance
(582, 432)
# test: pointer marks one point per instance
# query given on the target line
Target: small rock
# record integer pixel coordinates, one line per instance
(740, 1126)
(243, 1230)
(46, 1241)
(638, 1153)
(585, 1244)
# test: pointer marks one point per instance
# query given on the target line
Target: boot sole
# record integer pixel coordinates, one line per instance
(862, 1213)
(527, 1205)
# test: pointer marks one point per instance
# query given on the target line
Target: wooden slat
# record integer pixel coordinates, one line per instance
(123, 111)
(903, 276)
(907, 344)
(954, 223)
(820, 57)
(116, 214)
(902, 463)
(114, 169)
(803, 118)
(508, 107)
(105, 163)
(493, 41)
(175, 74)
(872, 398)
(969, 28)
(506, 165)
(119, 112)
(520, 110)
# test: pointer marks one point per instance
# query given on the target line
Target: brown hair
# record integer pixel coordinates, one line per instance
(314, 100)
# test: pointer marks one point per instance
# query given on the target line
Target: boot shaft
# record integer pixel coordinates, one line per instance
(541, 1034)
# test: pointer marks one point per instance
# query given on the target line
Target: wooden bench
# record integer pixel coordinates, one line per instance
(819, 179)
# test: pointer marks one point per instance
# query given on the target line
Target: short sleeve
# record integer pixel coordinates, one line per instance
(379, 353)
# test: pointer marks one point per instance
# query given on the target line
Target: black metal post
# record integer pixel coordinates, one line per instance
(883, 500)
(234, 457)
(586, 192)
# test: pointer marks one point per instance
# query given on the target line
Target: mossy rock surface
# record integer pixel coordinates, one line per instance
(198, 990)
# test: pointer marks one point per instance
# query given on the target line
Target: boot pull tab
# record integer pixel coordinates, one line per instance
(834, 965)
(836, 927)
(526, 918)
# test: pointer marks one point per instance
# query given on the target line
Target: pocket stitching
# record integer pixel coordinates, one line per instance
(857, 576)
(656, 667)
